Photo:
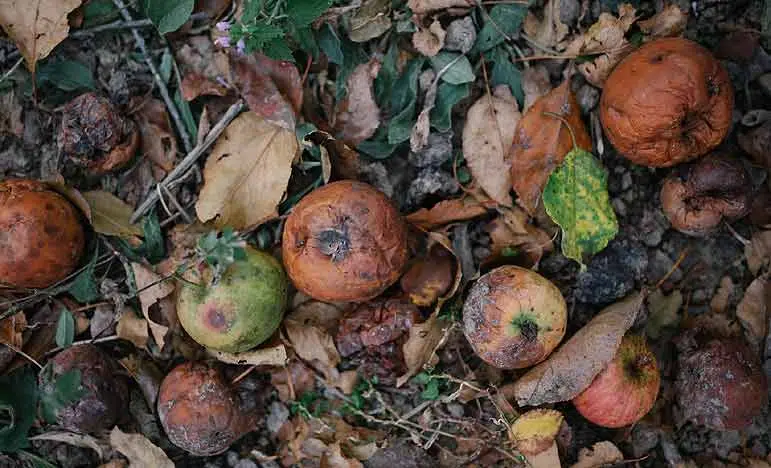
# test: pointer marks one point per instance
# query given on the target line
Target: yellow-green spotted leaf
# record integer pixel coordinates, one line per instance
(576, 198)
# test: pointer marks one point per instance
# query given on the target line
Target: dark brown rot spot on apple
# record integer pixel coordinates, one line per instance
(216, 319)
(334, 243)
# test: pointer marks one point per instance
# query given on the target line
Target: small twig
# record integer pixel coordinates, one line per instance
(675, 266)
(105, 339)
(177, 206)
(13, 69)
(190, 159)
(23, 354)
(736, 235)
(173, 111)
(119, 24)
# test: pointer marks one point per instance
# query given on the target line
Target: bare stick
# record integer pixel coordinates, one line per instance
(173, 111)
(118, 25)
(13, 69)
(190, 159)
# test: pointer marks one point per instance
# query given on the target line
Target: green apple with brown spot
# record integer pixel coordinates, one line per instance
(241, 309)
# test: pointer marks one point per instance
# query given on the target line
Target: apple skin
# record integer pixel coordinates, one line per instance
(625, 390)
(514, 318)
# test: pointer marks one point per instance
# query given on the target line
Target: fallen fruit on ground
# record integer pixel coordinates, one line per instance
(375, 323)
(698, 197)
(429, 278)
(344, 242)
(720, 381)
(624, 391)
(41, 235)
(666, 103)
(514, 317)
(104, 401)
(237, 311)
(200, 412)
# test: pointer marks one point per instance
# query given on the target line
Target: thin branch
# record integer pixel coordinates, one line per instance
(120, 24)
(13, 69)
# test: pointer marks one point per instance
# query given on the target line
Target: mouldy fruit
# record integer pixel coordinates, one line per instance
(720, 381)
(105, 399)
(514, 317)
(668, 102)
(41, 235)
(429, 278)
(199, 411)
(94, 134)
(239, 310)
(344, 242)
(696, 198)
(625, 390)
(374, 324)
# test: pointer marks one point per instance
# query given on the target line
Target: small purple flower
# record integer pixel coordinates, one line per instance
(223, 26)
(222, 41)
(241, 46)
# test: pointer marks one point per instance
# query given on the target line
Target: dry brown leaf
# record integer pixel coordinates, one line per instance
(548, 31)
(273, 356)
(512, 231)
(140, 452)
(420, 7)
(36, 26)
(195, 85)
(132, 328)
(314, 345)
(758, 251)
(11, 329)
(487, 137)
(448, 211)
(570, 369)
(429, 41)
(247, 173)
(752, 311)
(421, 345)
(670, 21)
(535, 84)
(333, 458)
(601, 454)
(422, 127)
(183, 239)
(159, 144)
(292, 381)
(152, 290)
(542, 141)
(110, 215)
(372, 19)
(74, 439)
(535, 431)
(722, 297)
(199, 56)
(357, 116)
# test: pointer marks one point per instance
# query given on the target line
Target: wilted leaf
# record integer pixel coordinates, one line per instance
(487, 137)
(535, 431)
(421, 345)
(542, 141)
(576, 197)
(420, 7)
(752, 311)
(36, 26)
(195, 85)
(246, 175)
(357, 116)
(11, 329)
(548, 31)
(448, 211)
(570, 369)
(371, 20)
(314, 345)
(110, 215)
(515, 240)
(758, 251)
(159, 144)
(152, 290)
(333, 458)
(670, 21)
(273, 356)
(71, 438)
(139, 450)
(601, 454)
(132, 328)
(168, 15)
(429, 41)
(722, 296)
(65, 328)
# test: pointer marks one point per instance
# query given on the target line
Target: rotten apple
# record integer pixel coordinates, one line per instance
(625, 390)
(514, 317)
(237, 311)
(344, 242)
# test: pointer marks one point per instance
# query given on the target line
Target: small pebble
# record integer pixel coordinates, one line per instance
(461, 35)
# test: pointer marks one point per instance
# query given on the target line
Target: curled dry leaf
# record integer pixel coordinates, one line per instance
(203, 68)
(487, 137)
(139, 450)
(535, 83)
(36, 26)
(11, 329)
(515, 240)
(371, 20)
(271, 88)
(449, 211)
(752, 311)
(600, 454)
(314, 345)
(574, 365)
(535, 431)
(758, 251)
(110, 215)
(357, 116)
(273, 356)
(159, 144)
(670, 21)
(132, 328)
(548, 31)
(333, 458)
(247, 173)
(429, 41)
(542, 141)
(152, 289)
(74, 439)
(421, 7)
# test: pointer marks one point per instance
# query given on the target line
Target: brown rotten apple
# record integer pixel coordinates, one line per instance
(697, 197)
(41, 235)
(625, 390)
(668, 102)
(514, 317)
(344, 242)
(200, 412)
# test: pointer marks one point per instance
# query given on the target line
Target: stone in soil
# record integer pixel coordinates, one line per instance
(402, 454)
(435, 153)
(612, 273)
(430, 181)
(461, 35)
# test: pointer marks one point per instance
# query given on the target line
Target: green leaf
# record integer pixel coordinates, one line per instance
(431, 392)
(57, 393)
(65, 329)
(168, 15)
(67, 75)
(386, 77)
(329, 42)
(153, 246)
(187, 115)
(506, 19)
(447, 95)
(83, 288)
(307, 41)
(98, 12)
(576, 198)
(165, 67)
(252, 9)
(505, 72)
(455, 68)
(278, 49)
(18, 405)
(303, 12)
